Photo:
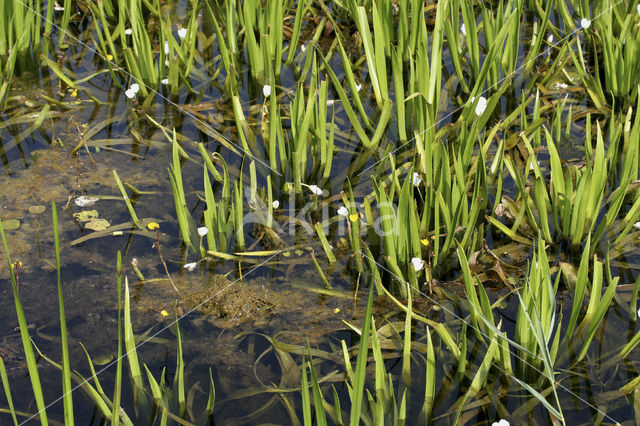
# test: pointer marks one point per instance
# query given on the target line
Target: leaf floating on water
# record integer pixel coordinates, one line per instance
(97, 224)
(11, 224)
(103, 359)
(84, 201)
(86, 215)
(37, 209)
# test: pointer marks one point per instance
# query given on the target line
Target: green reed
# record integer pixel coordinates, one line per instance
(106, 407)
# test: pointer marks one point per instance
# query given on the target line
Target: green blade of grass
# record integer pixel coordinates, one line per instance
(66, 368)
(32, 366)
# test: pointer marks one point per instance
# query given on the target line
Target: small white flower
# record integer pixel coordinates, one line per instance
(330, 102)
(502, 422)
(358, 87)
(190, 266)
(303, 48)
(638, 312)
(343, 211)
(416, 179)
(481, 106)
(164, 81)
(635, 225)
(550, 38)
(135, 87)
(417, 263)
(585, 23)
(275, 204)
(463, 30)
(561, 86)
(638, 8)
(315, 189)
(166, 63)
(182, 33)
(266, 90)
(128, 31)
(130, 93)
(166, 47)
(202, 231)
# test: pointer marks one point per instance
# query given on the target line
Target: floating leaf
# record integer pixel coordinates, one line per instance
(11, 224)
(103, 359)
(86, 215)
(84, 201)
(97, 224)
(37, 209)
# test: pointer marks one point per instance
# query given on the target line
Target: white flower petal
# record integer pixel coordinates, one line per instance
(315, 189)
(190, 266)
(343, 211)
(135, 87)
(416, 179)
(638, 8)
(275, 204)
(164, 81)
(130, 93)
(481, 106)
(330, 102)
(358, 87)
(266, 90)
(550, 38)
(182, 33)
(417, 263)
(303, 48)
(585, 23)
(463, 30)
(166, 47)
(638, 312)
(636, 225)
(128, 31)
(202, 231)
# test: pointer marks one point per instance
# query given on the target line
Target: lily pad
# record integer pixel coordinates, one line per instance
(37, 209)
(11, 224)
(97, 224)
(86, 215)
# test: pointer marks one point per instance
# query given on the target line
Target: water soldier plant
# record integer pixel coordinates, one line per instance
(465, 174)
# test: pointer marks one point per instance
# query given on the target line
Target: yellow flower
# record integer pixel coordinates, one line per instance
(336, 310)
(353, 217)
(153, 226)
(110, 57)
(164, 313)
(74, 93)
(425, 241)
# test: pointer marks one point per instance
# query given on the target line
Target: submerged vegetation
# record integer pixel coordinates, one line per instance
(459, 179)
